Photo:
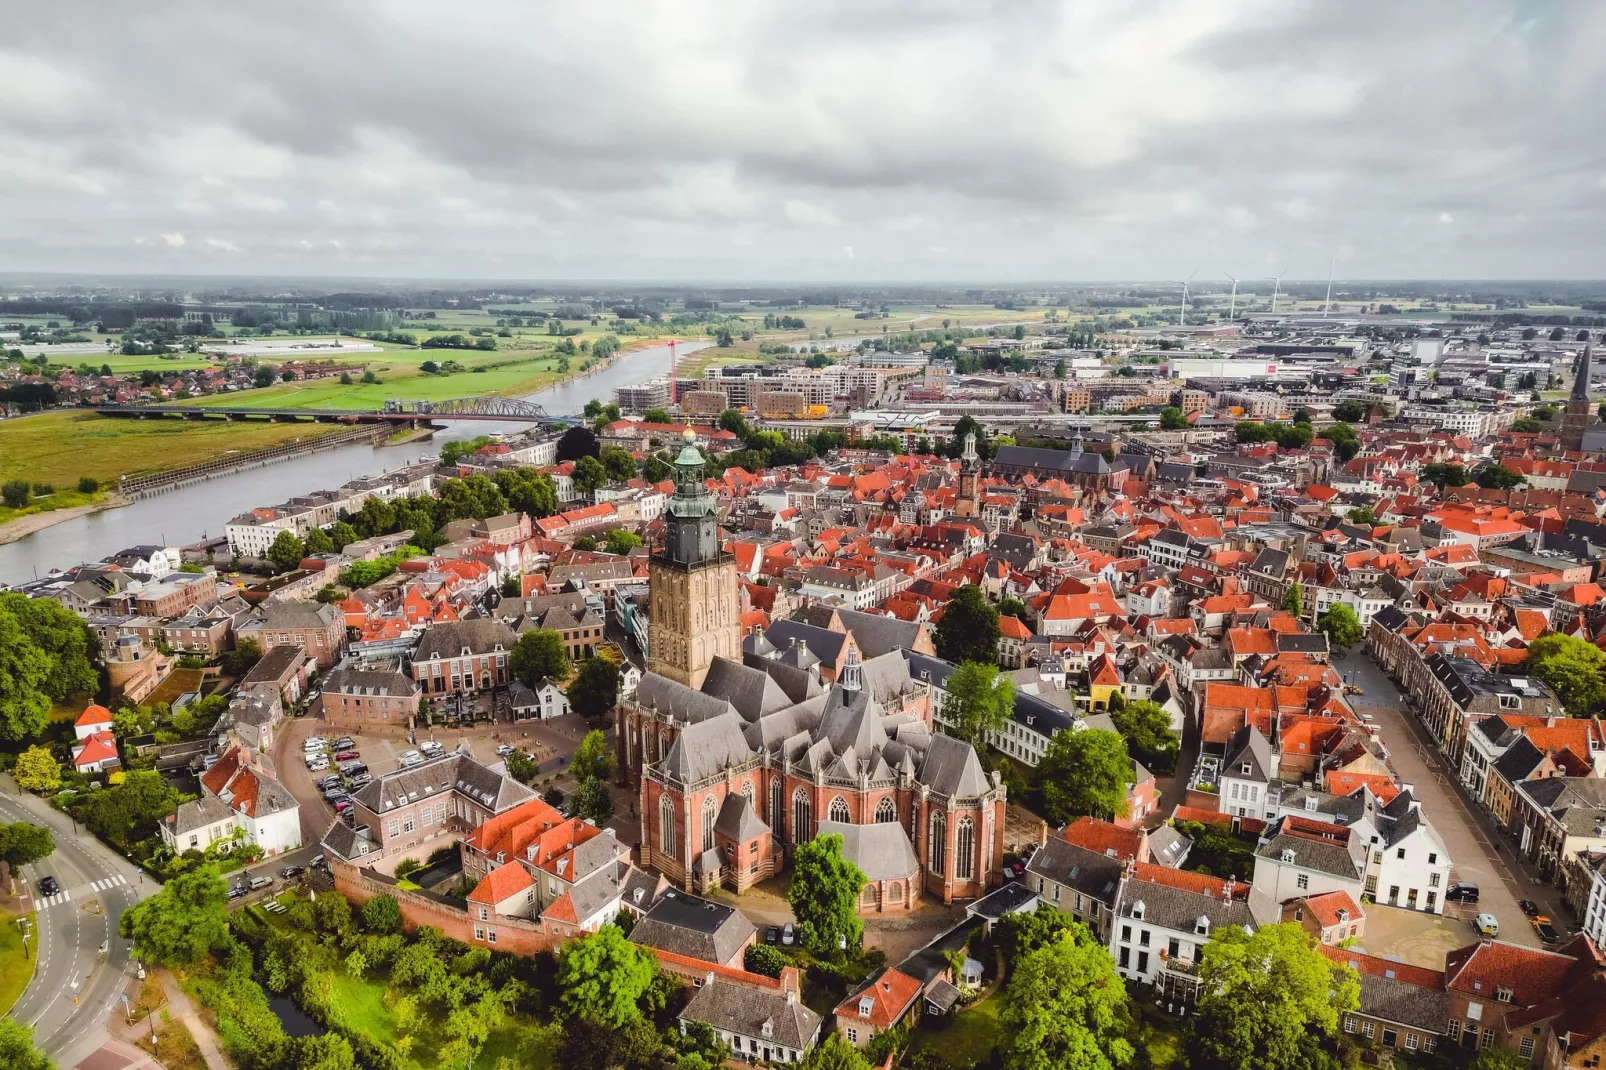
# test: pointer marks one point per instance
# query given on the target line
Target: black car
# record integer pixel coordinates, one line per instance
(48, 886)
(237, 891)
(291, 871)
(1529, 907)
(772, 935)
(1462, 893)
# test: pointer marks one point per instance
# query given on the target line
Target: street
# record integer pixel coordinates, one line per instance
(74, 985)
(1479, 853)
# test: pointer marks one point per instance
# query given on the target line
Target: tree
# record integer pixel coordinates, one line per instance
(621, 541)
(1172, 419)
(1499, 477)
(130, 811)
(592, 802)
(382, 914)
(968, 630)
(1445, 475)
(1499, 1059)
(246, 653)
(22, 844)
(1294, 600)
(287, 551)
(183, 921)
(1573, 668)
(522, 767)
(619, 464)
(589, 474)
(577, 442)
(834, 1053)
(595, 689)
(1528, 425)
(46, 654)
(1147, 728)
(605, 978)
(36, 770)
(1065, 1007)
(979, 700)
(1059, 368)
(1346, 443)
(1362, 517)
(1343, 628)
(1349, 411)
(16, 1047)
(1267, 1000)
(824, 894)
(1086, 772)
(539, 655)
(764, 959)
(319, 542)
(342, 534)
(592, 759)
(88, 484)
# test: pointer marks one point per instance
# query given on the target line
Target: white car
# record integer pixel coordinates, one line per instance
(430, 746)
(317, 764)
(411, 757)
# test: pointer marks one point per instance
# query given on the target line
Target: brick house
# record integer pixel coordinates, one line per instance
(1402, 1008)
(368, 701)
(889, 998)
(319, 630)
(1492, 981)
(461, 657)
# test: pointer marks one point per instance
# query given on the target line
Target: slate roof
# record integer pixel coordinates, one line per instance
(479, 636)
(454, 772)
(745, 1011)
(1248, 745)
(882, 850)
(877, 635)
(684, 703)
(698, 928)
(706, 747)
(952, 768)
(738, 820)
(823, 643)
(750, 690)
(1078, 868)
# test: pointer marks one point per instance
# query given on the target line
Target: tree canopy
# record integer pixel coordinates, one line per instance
(1268, 1001)
(1147, 728)
(539, 655)
(1173, 419)
(22, 843)
(287, 551)
(1084, 773)
(824, 894)
(37, 770)
(183, 921)
(46, 654)
(979, 700)
(1342, 626)
(968, 630)
(1574, 669)
(16, 1047)
(1294, 600)
(127, 812)
(834, 1053)
(1065, 1007)
(595, 689)
(605, 978)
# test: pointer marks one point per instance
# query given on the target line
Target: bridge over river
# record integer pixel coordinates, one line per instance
(489, 409)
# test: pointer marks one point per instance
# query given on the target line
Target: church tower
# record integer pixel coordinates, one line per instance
(691, 583)
(1575, 420)
(969, 501)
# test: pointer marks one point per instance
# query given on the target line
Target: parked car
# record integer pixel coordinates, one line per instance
(48, 885)
(345, 743)
(772, 934)
(430, 746)
(505, 749)
(353, 768)
(411, 758)
(1487, 924)
(359, 780)
(1545, 931)
(347, 756)
(316, 863)
(329, 781)
(260, 882)
(1529, 907)
(1462, 892)
(291, 871)
(314, 741)
(344, 806)
(318, 765)
(788, 935)
(237, 890)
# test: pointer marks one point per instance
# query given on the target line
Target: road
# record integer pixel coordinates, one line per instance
(1480, 855)
(74, 985)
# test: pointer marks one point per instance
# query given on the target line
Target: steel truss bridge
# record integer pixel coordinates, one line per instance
(497, 409)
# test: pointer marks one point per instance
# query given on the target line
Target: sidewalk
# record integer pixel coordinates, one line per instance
(180, 1007)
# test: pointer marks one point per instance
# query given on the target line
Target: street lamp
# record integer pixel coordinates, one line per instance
(22, 925)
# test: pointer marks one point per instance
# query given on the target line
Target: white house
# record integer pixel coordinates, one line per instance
(756, 1024)
(1595, 908)
(1406, 865)
(543, 703)
(1163, 919)
(1247, 774)
(258, 803)
(93, 721)
(1300, 857)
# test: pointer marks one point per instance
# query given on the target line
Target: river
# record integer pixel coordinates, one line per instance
(200, 511)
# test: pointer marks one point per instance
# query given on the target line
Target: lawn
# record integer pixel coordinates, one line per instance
(15, 969)
(967, 1039)
(525, 374)
(59, 446)
(362, 1003)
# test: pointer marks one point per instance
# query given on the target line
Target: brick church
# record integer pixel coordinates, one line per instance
(740, 750)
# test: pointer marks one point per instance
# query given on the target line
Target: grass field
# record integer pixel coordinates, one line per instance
(59, 446)
(965, 1040)
(15, 969)
(364, 1002)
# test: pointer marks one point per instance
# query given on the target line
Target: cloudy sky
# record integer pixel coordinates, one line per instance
(806, 141)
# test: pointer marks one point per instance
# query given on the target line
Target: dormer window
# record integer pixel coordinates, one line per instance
(1244, 768)
(866, 1006)
(1201, 925)
(767, 1029)
(1137, 910)
(1288, 855)
(1311, 804)
(1503, 994)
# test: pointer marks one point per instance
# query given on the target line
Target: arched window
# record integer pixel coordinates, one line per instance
(777, 809)
(965, 850)
(839, 810)
(886, 812)
(802, 817)
(747, 789)
(708, 823)
(938, 856)
(666, 827)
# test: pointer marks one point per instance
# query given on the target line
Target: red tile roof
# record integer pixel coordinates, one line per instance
(1105, 838)
(891, 995)
(93, 715)
(1479, 969)
(501, 884)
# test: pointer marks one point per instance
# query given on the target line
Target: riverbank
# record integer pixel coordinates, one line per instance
(23, 526)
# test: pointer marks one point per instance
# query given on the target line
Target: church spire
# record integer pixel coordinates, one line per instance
(1586, 365)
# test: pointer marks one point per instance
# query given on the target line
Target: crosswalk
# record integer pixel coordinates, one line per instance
(65, 896)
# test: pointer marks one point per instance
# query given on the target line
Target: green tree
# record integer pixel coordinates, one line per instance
(1267, 1001)
(22, 844)
(824, 893)
(37, 771)
(1172, 419)
(968, 630)
(592, 759)
(522, 767)
(1019, 934)
(382, 914)
(1014, 607)
(595, 689)
(287, 551)
(1499, 477)
(619, 464)
(1084, 773)
(16, 1047)
(46, 655)
(834, 1053)
(979, 700)
(182, 922)
(1065, 1007)
(88, 484)
(1147, 728)
(1350, 411)
(589, 475)
(657, 416)
(1445, 475)
(16, 493)
(1294, 600)
(127, 812)
(606, 979)
(591, 801)
(621, 541)
(1574, 669)
(1528, 425)
(331, 1051)
(731, 420)
(1059, 368)
(1499, 1059)
(1343, 628)
(764, 959)
(539, 655)
(1362, 517)
(1346, 443)
(342, 534)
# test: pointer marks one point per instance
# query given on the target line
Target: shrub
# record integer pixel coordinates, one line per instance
(382, 914)
(764, 959)
(15, 493)
(88, 484)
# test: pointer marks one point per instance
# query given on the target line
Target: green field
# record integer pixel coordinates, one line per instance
(61, 445)
(399, 377)
(15, 970)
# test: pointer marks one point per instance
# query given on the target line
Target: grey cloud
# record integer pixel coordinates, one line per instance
(1015, 140)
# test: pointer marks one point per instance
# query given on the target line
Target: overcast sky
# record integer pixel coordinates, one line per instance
(806, 141)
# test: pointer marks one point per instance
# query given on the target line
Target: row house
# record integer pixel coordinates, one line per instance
(463, 657)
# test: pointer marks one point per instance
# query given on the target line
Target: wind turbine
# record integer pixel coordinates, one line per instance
(1232, 307)
(1277, 279)
(1182, 313)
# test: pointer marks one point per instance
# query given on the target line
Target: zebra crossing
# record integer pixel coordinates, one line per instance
(65, 896)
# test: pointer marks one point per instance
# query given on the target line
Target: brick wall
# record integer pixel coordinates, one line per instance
(516, 935)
